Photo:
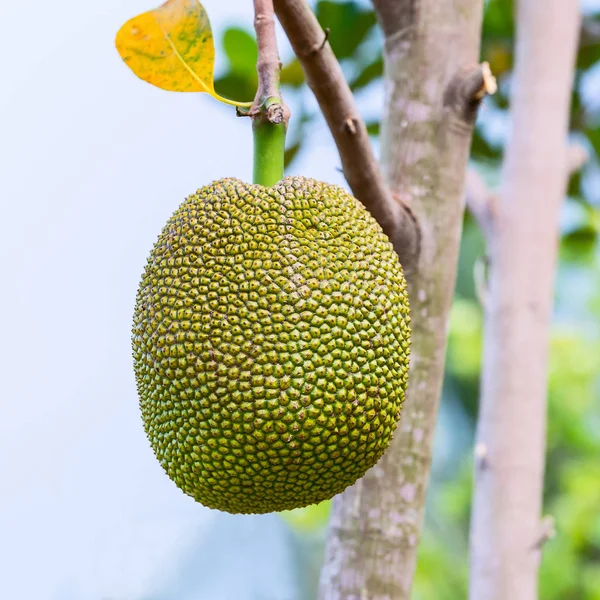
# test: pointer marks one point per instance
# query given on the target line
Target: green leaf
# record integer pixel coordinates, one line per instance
(172, 48)
(292, 74)
(498, 19)
(580, 244)
(373, 128)
(299, 136)
(241, 50)
(369, 73)
(236, 84)
(309, 518)
(481, 150)
(291, 153)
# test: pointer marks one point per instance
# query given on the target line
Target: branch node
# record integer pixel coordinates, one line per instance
(275, 113)
(408, 239)
(350, 125)
(268, 66)
(481, 456)
(480, 202)
(547, 532)
(317, 49)
(489, 85)
(480, 279)
(467, 89)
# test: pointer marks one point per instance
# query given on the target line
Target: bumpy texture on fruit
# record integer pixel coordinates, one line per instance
(271, 344)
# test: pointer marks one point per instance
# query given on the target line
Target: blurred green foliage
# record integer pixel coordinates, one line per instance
(571, 563)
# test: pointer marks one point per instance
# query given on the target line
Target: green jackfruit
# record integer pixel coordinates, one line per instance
(270, 344)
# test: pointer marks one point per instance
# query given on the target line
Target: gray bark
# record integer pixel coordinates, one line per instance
(506, 530)
(433, 84)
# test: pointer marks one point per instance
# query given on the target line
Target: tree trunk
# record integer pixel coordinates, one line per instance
(433, 87)
(506, 532)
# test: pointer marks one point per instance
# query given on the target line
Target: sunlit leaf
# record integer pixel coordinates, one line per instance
(241, 50)
(172, 48)
(465, 338)
(309, 518)
(292, 74)
(241, 78)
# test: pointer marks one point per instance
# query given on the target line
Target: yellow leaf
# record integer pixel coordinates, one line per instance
(172, 48)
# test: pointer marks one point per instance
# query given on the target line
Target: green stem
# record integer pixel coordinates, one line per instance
(269, 147)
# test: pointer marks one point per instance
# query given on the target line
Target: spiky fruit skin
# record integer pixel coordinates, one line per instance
(271, 344)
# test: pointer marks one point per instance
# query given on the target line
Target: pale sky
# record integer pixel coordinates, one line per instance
(93, 162)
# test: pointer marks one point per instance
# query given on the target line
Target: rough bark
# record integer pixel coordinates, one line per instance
(506, 531)
(268, 64)
(433, 86)
(325, 78)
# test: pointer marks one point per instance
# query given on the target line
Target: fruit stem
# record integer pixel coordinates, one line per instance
(269, 147)
(269, 113)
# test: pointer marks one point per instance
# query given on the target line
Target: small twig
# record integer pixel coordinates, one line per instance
(480, 279)
(360, 167)
(480, 201)
(547, 532)
(481, 456)
(320, 47)
(350, 125)
(242, 112)
(489, 86)
(268, 66)
(577, 156)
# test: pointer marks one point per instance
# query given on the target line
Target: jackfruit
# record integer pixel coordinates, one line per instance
(270, 344)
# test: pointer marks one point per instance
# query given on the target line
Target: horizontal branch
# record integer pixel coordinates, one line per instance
(361, 169)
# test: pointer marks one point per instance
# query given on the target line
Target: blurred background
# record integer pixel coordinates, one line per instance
(92, 163)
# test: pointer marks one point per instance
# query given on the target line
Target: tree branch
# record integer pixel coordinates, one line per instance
(480, 201)
(325, 78)
(505, 519)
